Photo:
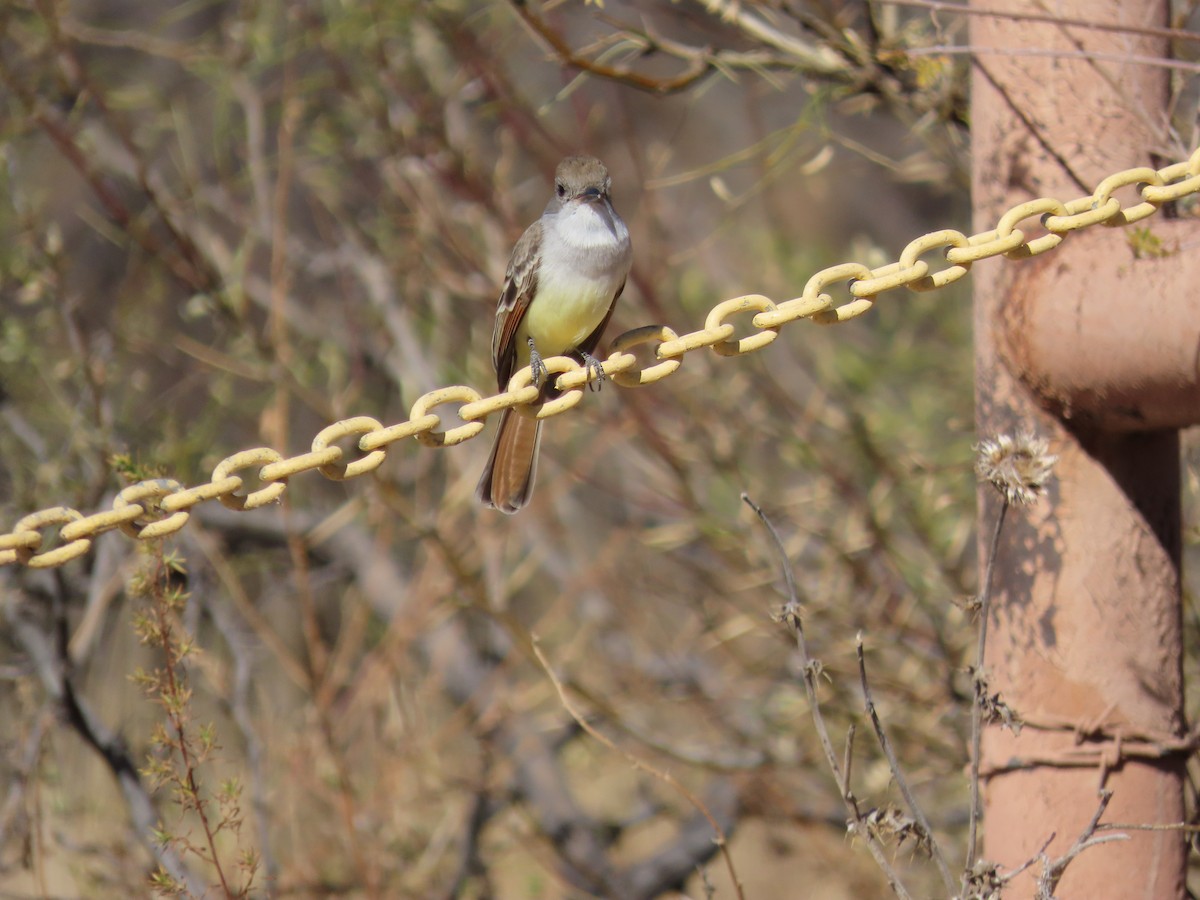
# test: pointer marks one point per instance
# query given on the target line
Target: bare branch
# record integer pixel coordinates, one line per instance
(1053, 869)
(790, 616)
(926, 836)
(979, 688)
(666, 777)
(45, 642)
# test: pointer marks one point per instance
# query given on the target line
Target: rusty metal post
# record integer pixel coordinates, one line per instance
(1094, 348)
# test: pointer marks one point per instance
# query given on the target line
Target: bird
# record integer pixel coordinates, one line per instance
(561, 286)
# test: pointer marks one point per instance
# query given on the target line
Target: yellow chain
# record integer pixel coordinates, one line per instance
(157, 508)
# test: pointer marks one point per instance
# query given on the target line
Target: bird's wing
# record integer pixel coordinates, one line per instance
(520, 286)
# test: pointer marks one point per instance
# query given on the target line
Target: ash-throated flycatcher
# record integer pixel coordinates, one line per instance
(562, 284)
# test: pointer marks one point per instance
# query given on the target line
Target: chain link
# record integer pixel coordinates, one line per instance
(159, 507)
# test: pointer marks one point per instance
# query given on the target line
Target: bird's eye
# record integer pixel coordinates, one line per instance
(561, 189)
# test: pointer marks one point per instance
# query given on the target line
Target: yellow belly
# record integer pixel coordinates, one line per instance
(561, 317)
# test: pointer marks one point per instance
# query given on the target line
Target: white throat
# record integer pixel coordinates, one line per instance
(589, 238)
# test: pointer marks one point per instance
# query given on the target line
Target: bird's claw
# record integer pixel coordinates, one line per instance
(595, 372)
(537, 368)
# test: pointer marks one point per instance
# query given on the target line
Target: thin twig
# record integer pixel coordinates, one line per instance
(1029, 862)
(697, 67)
(1175, 34)
(44, 643)
(1136, 59)
(978, 687)
(897, 772)
(1053, 869)
(1149, 826)
(848, 759)
(640, 764)
(242, 648)
(810, 669)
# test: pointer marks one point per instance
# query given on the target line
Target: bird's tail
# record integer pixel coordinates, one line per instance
(507, 481)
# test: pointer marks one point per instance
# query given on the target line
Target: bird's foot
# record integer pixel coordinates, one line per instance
(595, 371)
(537, 368)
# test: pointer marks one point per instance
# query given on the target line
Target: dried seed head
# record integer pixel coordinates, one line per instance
(1017, 467)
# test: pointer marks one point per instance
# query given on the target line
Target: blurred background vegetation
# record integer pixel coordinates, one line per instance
(227, 225)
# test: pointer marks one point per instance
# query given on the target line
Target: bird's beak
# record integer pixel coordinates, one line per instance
(592, 194)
